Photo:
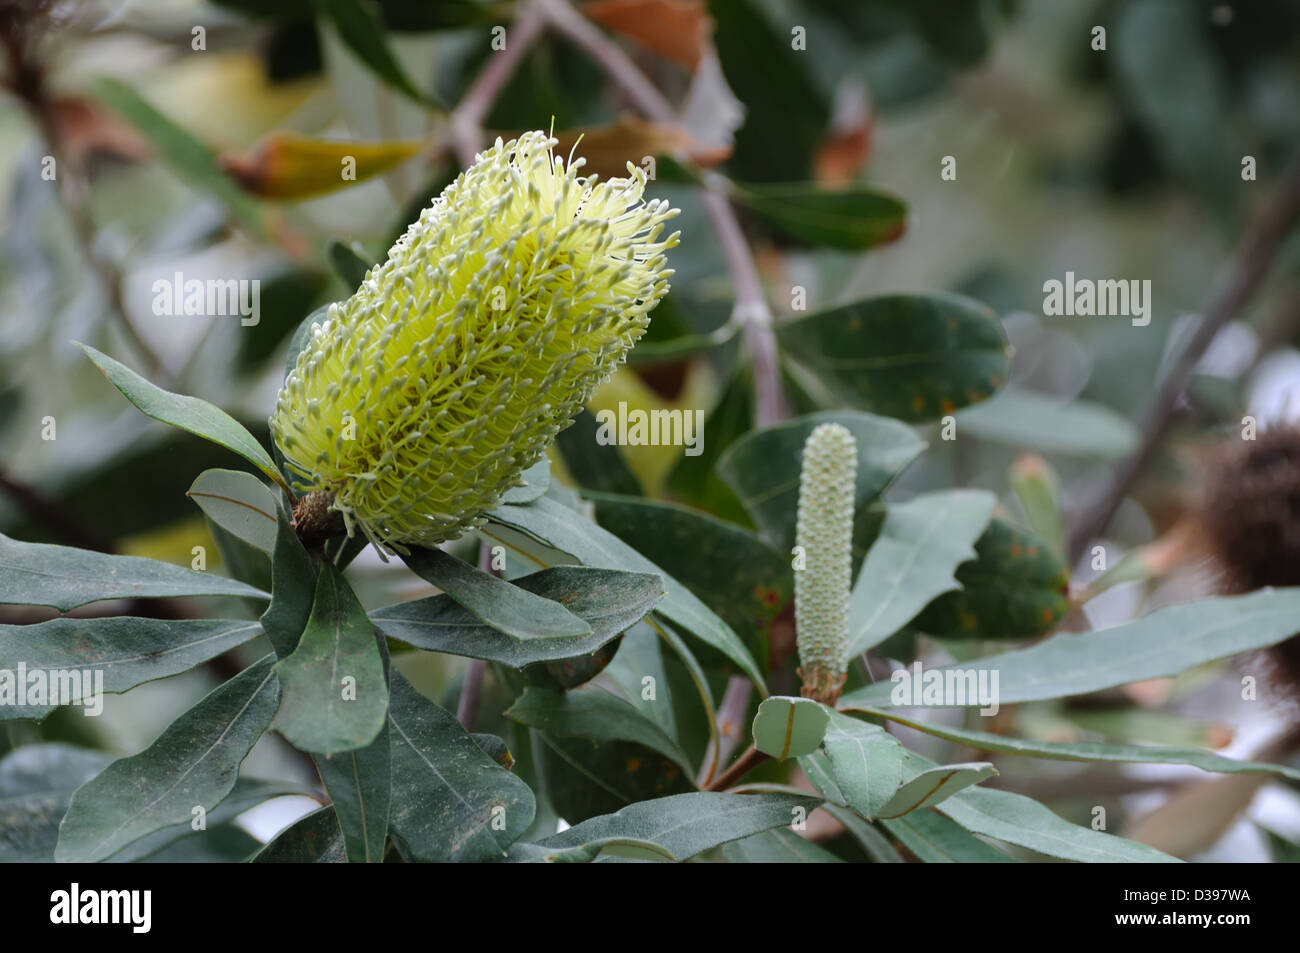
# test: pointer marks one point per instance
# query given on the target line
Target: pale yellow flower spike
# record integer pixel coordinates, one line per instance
(419, 401)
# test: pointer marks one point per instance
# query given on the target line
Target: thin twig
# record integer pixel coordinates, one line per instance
(746, 763)
(751, 310)
(466, 124)
(731, 721)
(1229, 296)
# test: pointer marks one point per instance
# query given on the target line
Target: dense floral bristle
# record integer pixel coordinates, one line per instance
(824, 530)
(419, 401)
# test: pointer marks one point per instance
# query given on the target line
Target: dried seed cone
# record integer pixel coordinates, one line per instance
(825, 531)
(420, 400)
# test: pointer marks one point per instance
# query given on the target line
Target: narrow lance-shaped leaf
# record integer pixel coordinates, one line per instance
(64, 577)
(122, 651)
(920, 546)
(293, 588)
(934, 785)
(335, 692)
(936, 839)
(193, 763)
(1166, 642)
(608, 600)
(188, 413)
(502, 605)
(451, 801)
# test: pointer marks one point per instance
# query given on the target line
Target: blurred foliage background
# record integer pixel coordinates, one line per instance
(220, 162)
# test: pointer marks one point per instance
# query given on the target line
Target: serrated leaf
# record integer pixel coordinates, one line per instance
(239, 503)
(193, 763)
(321, 711)
(188, 413)
(556, 525)
(866, 763)
(127, 651)
(608, 600)
(763, 467)
(1015, 588)
(920, 545)
(501, 605)
(595, 714)
(788, 727)
(689, 824)
(934, 785)
(63, 577)
(1164, 643)
(910, 356)
(447, 792)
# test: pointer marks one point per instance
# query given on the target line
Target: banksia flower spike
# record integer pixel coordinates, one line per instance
(419, 401)
(825, 533)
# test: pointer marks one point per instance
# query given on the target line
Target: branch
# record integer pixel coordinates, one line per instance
(751, 310)
(467, 120)
(746, 763)
(1230, 295)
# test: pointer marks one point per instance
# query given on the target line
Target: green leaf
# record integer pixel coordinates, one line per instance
(127, 651)
(695, 480)
(875, 844)
(935, 785)
(763, 467)
(594, 466)
(1021, 418)
(36, 783)
(314, 839)
(910, 356)
(556, 525)
(688, 824)
(1166, 642)
(188, 157)
(1093, 751)
(360, 25)
(188, 413)
(1038, 489)
(446, 791)
(351, 267)
(851, 219)
(335, 692)
(585, 778)
(63, 577)
(193, 763)
(501, 605)
(919, 547)
(608, 600)
(787, 727)
(866, 763)
(780, 846)
(730, 569)
(1015, 588)
(359, 783)
(239, 503)
(293, 587)
(1024, 822)
(218, 844)
(594, 714)
(937, 840)
(536, 481)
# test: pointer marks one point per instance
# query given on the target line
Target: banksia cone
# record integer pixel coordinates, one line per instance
(825, 532)
(419, 401)
(1250, 516)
